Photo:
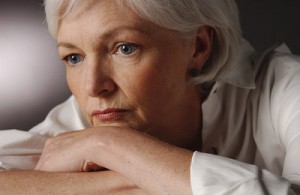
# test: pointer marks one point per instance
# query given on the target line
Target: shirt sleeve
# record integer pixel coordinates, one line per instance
(211, 174)
(21, 149)
(286, 115)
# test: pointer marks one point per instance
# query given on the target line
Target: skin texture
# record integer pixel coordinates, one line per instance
(37, 182)
(150, 83)
(141, 71)
(164, 168)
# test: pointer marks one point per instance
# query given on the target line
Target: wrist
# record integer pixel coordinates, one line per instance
(131, 153)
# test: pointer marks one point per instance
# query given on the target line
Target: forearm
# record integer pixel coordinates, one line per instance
(155, 166)
(37, 182)
(151, 164)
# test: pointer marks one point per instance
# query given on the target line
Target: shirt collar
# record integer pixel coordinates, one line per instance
(241, 74)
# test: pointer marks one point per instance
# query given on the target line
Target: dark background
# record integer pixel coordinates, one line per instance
(266, 22)
(32, 79)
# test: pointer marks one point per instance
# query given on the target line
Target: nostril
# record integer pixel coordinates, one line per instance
(103, 87)
(105, 92)
(108, 87)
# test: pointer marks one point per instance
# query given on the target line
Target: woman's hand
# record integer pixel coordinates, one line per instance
(154, 166)
(69, 152)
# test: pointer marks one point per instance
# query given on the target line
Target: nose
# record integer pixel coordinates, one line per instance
(99, 81)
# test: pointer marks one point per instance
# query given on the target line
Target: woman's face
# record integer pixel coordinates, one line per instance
(125, 71)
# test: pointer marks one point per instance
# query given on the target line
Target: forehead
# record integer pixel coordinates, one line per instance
(94, 24)
(80, 9)
(101, 15)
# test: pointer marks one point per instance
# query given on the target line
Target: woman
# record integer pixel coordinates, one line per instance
(154, 81)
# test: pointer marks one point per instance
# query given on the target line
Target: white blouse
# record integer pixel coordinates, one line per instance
(251, 129)
(252, 115)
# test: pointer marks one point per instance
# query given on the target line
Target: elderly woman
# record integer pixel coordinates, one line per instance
(169, 100)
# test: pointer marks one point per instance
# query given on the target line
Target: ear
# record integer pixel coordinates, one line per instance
(202, 46)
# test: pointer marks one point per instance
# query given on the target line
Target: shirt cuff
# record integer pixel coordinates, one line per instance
(211, 174)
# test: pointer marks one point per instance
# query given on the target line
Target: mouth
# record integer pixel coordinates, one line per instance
(108, 114)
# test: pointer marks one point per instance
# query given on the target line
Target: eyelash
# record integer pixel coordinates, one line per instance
(67, 59)
(133, 48)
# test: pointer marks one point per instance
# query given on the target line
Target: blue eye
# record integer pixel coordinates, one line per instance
(127, 49)
(73, 59)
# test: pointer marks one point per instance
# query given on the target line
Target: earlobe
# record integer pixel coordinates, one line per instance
(203, 42)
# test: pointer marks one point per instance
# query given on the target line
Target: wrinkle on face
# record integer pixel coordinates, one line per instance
(152, 85)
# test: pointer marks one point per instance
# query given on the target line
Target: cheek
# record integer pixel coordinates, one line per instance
(152, 87)
(76, 86)
(72, 82)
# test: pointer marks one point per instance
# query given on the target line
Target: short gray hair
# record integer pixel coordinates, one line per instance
(184, 16)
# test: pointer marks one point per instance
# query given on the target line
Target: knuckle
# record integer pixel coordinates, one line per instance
(49, 141)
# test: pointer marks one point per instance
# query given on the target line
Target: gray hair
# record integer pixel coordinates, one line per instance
(184, 16)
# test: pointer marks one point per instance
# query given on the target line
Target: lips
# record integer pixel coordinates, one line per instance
(108, 114)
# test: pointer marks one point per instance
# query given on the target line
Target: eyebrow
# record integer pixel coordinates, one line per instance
(140, 29)
(110, 33)
(66, 45)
